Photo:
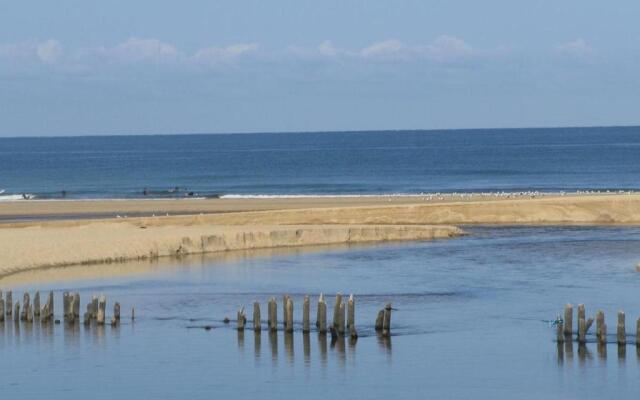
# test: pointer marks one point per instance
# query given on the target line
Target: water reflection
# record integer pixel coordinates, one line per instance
(273, 344)
(257, 344)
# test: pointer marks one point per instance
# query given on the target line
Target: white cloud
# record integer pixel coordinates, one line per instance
(217, 55)
(385, 48)
(49, 51)
(141, 49)
(448, 49)
(576, 50)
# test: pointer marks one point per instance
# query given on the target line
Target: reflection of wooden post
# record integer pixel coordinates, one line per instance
(322, 315)
(36, 304)
(102, 308)
(379, 320)
(386, 324)
(559, 330)
(305, 314)
(257, 325)
(288, 325)
(622, 336)
(336, 310)
(568, 319)
(600, 327)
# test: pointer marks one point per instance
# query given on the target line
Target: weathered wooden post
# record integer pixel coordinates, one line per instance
(87, 315)
(94, 307)
(76, 306)
(71, 305)
(272, 310)
(242, 319)
(379, 320)
(559, 330)
(284, 311)
(601, 330)
(16, 312)
(341, 319)
(257, 325)
(351, 317)
(65, 305)
(386, 324)
(322, 315)
(288, 326)
(582, 324)
(102, 307)
(8, 304)
(26, 300)
(568, 320)
(336, 310)
(305, 314)
(115, 320)
(351, 311)
(622, 336)
(50, 306)
(638, 333)
(36, 304)
(1, 309)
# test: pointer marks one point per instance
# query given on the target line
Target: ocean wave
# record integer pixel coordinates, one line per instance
(16, 197)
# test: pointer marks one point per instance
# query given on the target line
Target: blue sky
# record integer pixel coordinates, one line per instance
(119, 67)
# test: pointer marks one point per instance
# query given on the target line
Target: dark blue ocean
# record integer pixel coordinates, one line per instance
(362, 163)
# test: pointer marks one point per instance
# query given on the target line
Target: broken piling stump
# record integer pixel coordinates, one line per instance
(75, 309)
(36, 304)
(336, 310)
(16, 312)
(1, 309)
(559, 330)
(322, 315)
(8, 304)
(341, 319)
(351, 317)
(272, 310)
(102, 308)
(305, 314)
(26, 301)
(568, 320)
(288, 326)
(241, 319)
(115, 320)
(621, 331)
(601, 330)
(386, 324)
(257, 325)
(379, 320)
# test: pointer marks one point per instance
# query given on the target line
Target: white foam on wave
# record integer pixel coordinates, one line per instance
(303, 196)
(15, 197)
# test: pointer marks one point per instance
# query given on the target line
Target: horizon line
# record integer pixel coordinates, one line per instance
(349, 131)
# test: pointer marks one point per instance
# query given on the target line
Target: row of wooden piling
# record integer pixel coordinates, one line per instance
(96, 309)
(343, 322)
(564, 326)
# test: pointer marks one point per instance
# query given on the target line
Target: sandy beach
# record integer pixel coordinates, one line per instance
(241, 224)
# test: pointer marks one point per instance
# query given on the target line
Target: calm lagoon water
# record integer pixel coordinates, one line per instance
(471, 322)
